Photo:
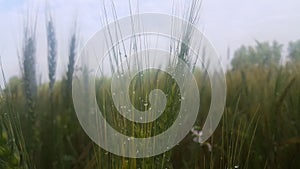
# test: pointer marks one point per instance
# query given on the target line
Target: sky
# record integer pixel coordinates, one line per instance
(227, 24)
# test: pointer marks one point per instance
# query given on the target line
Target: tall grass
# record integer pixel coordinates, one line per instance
(28, 60)
(71, 64)
(269, 93)
(13, 150)
(260, 126)
(49, 148)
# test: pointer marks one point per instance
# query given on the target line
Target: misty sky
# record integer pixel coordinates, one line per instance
(227, 23)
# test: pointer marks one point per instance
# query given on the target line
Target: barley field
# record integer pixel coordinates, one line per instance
(259, 129)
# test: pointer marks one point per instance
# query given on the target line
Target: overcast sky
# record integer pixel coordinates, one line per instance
(227, 23)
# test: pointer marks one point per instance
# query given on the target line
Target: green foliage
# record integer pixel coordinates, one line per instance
(260, 126)
(9, 155)
(262, 54)
(13, 152)
(259, 100)
(294, 51)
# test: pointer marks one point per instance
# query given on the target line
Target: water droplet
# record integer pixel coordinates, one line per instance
(145, 104)
(141, 118)
(182, 98)
(200, 133)
(236, 166)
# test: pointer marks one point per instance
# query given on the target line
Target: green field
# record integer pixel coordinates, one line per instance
(260, 127)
